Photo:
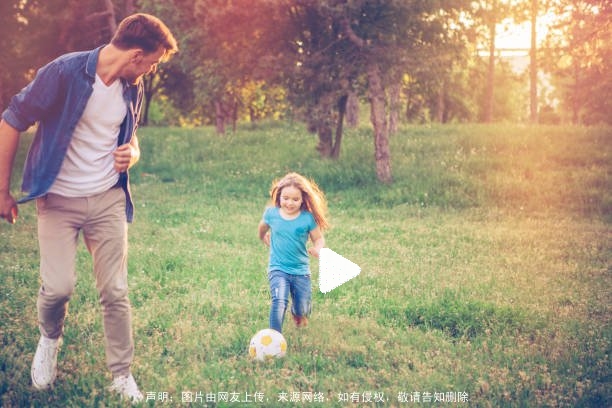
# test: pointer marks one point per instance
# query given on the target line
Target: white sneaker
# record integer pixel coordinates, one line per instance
(44, 365)
(126, 387)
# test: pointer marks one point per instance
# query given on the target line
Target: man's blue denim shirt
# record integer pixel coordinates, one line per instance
(56, 99)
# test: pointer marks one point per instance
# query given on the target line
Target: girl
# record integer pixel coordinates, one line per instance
(298, 211)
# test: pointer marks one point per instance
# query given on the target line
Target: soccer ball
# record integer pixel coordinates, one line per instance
(267, 344)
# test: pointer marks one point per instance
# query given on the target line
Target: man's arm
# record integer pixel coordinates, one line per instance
(9, 141)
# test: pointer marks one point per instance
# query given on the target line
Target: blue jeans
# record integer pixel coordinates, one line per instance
(281, 285)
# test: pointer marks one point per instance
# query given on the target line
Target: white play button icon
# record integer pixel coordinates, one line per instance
(334, 270)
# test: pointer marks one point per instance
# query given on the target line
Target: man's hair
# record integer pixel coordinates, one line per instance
(146, 32)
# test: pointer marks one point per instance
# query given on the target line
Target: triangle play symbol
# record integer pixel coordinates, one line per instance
(334, 270)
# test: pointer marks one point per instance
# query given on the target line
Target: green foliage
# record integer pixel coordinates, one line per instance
(302, 48)
(576, 55)
(484, 270)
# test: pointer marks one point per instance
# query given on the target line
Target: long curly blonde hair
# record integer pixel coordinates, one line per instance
(313, 199)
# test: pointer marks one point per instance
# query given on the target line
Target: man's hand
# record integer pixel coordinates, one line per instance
(125, 157)
(9, 140)
(8, 207)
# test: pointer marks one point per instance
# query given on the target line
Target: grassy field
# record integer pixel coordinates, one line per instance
(486, 274)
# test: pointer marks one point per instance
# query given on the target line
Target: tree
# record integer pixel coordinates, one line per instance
(223, 52)
(313, 65)
(488, 11)
(13, 48)
(533, 66)
(392, 38)
(529, 10)
(377, 97)
(32, 32)
(579, 49)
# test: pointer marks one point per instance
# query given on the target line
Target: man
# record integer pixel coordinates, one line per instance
(87, 106)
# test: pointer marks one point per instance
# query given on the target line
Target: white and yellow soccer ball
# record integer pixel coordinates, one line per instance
(267, 344)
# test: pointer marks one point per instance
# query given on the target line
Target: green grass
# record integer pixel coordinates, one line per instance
(486, 269)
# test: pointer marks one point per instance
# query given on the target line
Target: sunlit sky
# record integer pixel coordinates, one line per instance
(514, 40)
(512, 35)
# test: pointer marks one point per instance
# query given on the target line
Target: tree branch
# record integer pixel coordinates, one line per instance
(98, 15)
(350, 34)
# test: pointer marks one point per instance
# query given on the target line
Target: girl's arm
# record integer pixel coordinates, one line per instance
(263, 232)
(318, 241)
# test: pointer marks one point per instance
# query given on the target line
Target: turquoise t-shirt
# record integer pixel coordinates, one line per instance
(288, 241)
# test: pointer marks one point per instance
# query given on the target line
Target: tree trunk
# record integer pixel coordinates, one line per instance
(147, 81)
(129, 8)
(234, 115)
(325, 146)
(489, 97)
(145, 116)
(3, 97)
(441, 104)
(576, 106)
(378, 114)
(379, 121)
(352, 110)
(533, 67)
(219, 117)
(394, 102)
(111, 20)
(335, 153)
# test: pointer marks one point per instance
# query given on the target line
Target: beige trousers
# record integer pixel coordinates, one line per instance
(101, 219)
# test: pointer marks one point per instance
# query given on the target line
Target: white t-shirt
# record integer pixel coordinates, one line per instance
(87, 168)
